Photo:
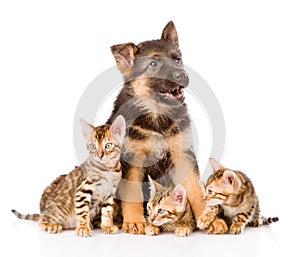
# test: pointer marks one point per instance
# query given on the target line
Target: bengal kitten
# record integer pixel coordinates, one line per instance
(231, 194)
(169, 211)
(75, 199)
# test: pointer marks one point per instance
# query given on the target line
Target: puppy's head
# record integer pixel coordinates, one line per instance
(154, 68)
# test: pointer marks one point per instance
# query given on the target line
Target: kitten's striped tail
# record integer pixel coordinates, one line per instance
(267, 221)
(34, 217)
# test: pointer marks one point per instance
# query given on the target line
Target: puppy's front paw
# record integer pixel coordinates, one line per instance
(134, 227)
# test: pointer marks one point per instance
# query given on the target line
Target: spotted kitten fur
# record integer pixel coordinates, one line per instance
(75, 199)
(169, 211)
(231, 194)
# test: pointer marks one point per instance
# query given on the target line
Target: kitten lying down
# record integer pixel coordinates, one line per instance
(230, 194)
(169, 211)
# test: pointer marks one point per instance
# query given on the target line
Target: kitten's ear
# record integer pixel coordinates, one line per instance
(179, 194)
(229, 177)
(124, 55)
(170, 34)
(87, 129)
(215, 164)
(154, 186)
(118, 128)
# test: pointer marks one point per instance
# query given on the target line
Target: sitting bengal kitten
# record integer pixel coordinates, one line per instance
(231, 194)
(73, 200)
(169, 211)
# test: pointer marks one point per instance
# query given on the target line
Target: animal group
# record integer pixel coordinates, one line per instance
(141, 174)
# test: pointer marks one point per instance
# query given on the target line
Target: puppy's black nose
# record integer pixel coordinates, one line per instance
(179, 75)
(181, 78)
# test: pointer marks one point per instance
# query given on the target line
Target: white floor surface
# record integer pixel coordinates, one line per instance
(26, 239)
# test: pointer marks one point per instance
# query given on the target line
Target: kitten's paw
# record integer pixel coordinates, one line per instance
(218, 226)
(203, 222)
(182, 231)
(151, 230)
(236, 229)
(134, 227)
(84, 231)
(52, 228)
(110, 229)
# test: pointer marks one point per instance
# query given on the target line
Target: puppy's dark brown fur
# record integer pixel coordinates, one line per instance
(159, 139)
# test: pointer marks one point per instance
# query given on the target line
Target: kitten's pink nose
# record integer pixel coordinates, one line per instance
(100, 153)
(152, 218)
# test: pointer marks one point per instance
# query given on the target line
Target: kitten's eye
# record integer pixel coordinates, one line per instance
(92, 146)
(160, 211)
(153, 64)
(109, 145)
(148, 207)
(210, 192)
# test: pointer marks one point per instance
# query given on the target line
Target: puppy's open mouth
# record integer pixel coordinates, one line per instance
(175, 93)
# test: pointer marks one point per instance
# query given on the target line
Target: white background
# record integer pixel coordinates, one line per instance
(247, 51)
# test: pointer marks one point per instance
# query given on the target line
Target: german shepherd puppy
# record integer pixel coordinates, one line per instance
(159, 139)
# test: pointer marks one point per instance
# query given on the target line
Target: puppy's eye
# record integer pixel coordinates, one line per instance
(153, 64)
(92, 146)
(178, 61)
(109, 145)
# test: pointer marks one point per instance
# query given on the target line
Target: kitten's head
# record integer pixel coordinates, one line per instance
(221, 184)
(165, 204)
(104, 143)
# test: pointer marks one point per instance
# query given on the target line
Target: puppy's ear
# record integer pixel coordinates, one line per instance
(124, 55)
(170, 34)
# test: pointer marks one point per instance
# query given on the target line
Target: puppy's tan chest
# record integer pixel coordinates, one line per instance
(157, 145)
